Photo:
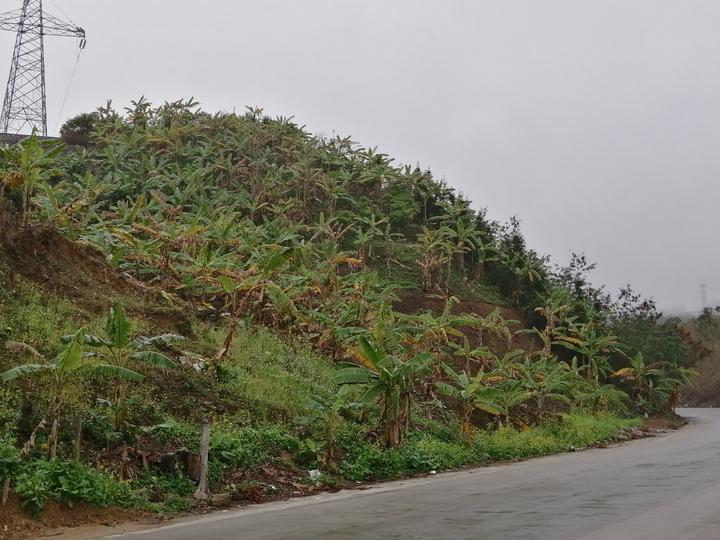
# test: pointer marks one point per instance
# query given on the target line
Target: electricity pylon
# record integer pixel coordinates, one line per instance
(25, 106)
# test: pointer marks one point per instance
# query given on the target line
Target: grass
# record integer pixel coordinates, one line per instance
(31, 315)
(429, 451)
(273, 378)
(576, 430)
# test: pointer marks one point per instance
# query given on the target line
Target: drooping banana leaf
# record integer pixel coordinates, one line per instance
(21, 371)
(154, 358)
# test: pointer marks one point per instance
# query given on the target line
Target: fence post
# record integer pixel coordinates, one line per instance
(201, 492)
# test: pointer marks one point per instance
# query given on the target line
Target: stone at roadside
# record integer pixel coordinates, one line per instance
(220, 499)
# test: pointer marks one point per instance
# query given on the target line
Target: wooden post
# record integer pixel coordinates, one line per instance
(5, 491)
(201, 492)
(78, 435)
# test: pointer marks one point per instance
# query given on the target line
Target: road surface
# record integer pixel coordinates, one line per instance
(665, 488)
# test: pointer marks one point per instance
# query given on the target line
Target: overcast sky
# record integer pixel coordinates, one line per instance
(596, 122)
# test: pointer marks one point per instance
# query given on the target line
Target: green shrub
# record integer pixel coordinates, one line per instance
(557, 435)
(421, 453)
(445, 428)
(175, 433)
(247, 447)
(78, 129)
(9, 460)
(69, 482)
(582, 430)
(31, 315)
(426, 451)
(444, 455)
(366, 461)
(167, 492)
(9, 416)
(160, 485)
(509, 443)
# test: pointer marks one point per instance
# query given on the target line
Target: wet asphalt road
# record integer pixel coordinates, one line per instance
(666, 488)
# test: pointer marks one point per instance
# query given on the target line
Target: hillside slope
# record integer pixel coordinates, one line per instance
(324, 309)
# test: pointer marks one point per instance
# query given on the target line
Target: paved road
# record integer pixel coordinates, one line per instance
(661, 489)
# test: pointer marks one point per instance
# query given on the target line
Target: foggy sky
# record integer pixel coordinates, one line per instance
(596, 122)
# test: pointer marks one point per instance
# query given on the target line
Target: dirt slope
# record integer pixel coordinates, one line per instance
(80, 274)
(414, 301)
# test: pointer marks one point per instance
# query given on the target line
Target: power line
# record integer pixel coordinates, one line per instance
(67, 91)
(62, 12)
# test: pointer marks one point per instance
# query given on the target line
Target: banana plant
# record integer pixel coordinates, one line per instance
(324, 418)
(118, 348)
(368, 230)
(548, 381)
(471, 354)
(494, 323)
(429, 191)
(473, 394)
(594, 348)
(599, 397)
(430, 332)
(653, 387)
(484, 253)
(465, 237)
(640, 376)
(433, 244)
(71, 363)
(389, 381)
(26, 165)
(334, 190)
(331, 228)
(257, 279)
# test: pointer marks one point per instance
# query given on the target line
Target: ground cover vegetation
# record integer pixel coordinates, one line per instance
(328, 311)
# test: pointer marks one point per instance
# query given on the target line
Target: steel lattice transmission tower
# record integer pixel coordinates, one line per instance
(25, 106)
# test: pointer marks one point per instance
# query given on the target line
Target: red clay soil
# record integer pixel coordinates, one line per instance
(77, 272)
(65, 268)
(664, 421)
(413, 301)
(17, 523)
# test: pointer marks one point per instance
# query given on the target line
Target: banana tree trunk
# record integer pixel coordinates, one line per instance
(449, 271)
(479, 270)
(53, 440)
(25, 205)
(396, 424)
(467, 432)
(393, 433)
